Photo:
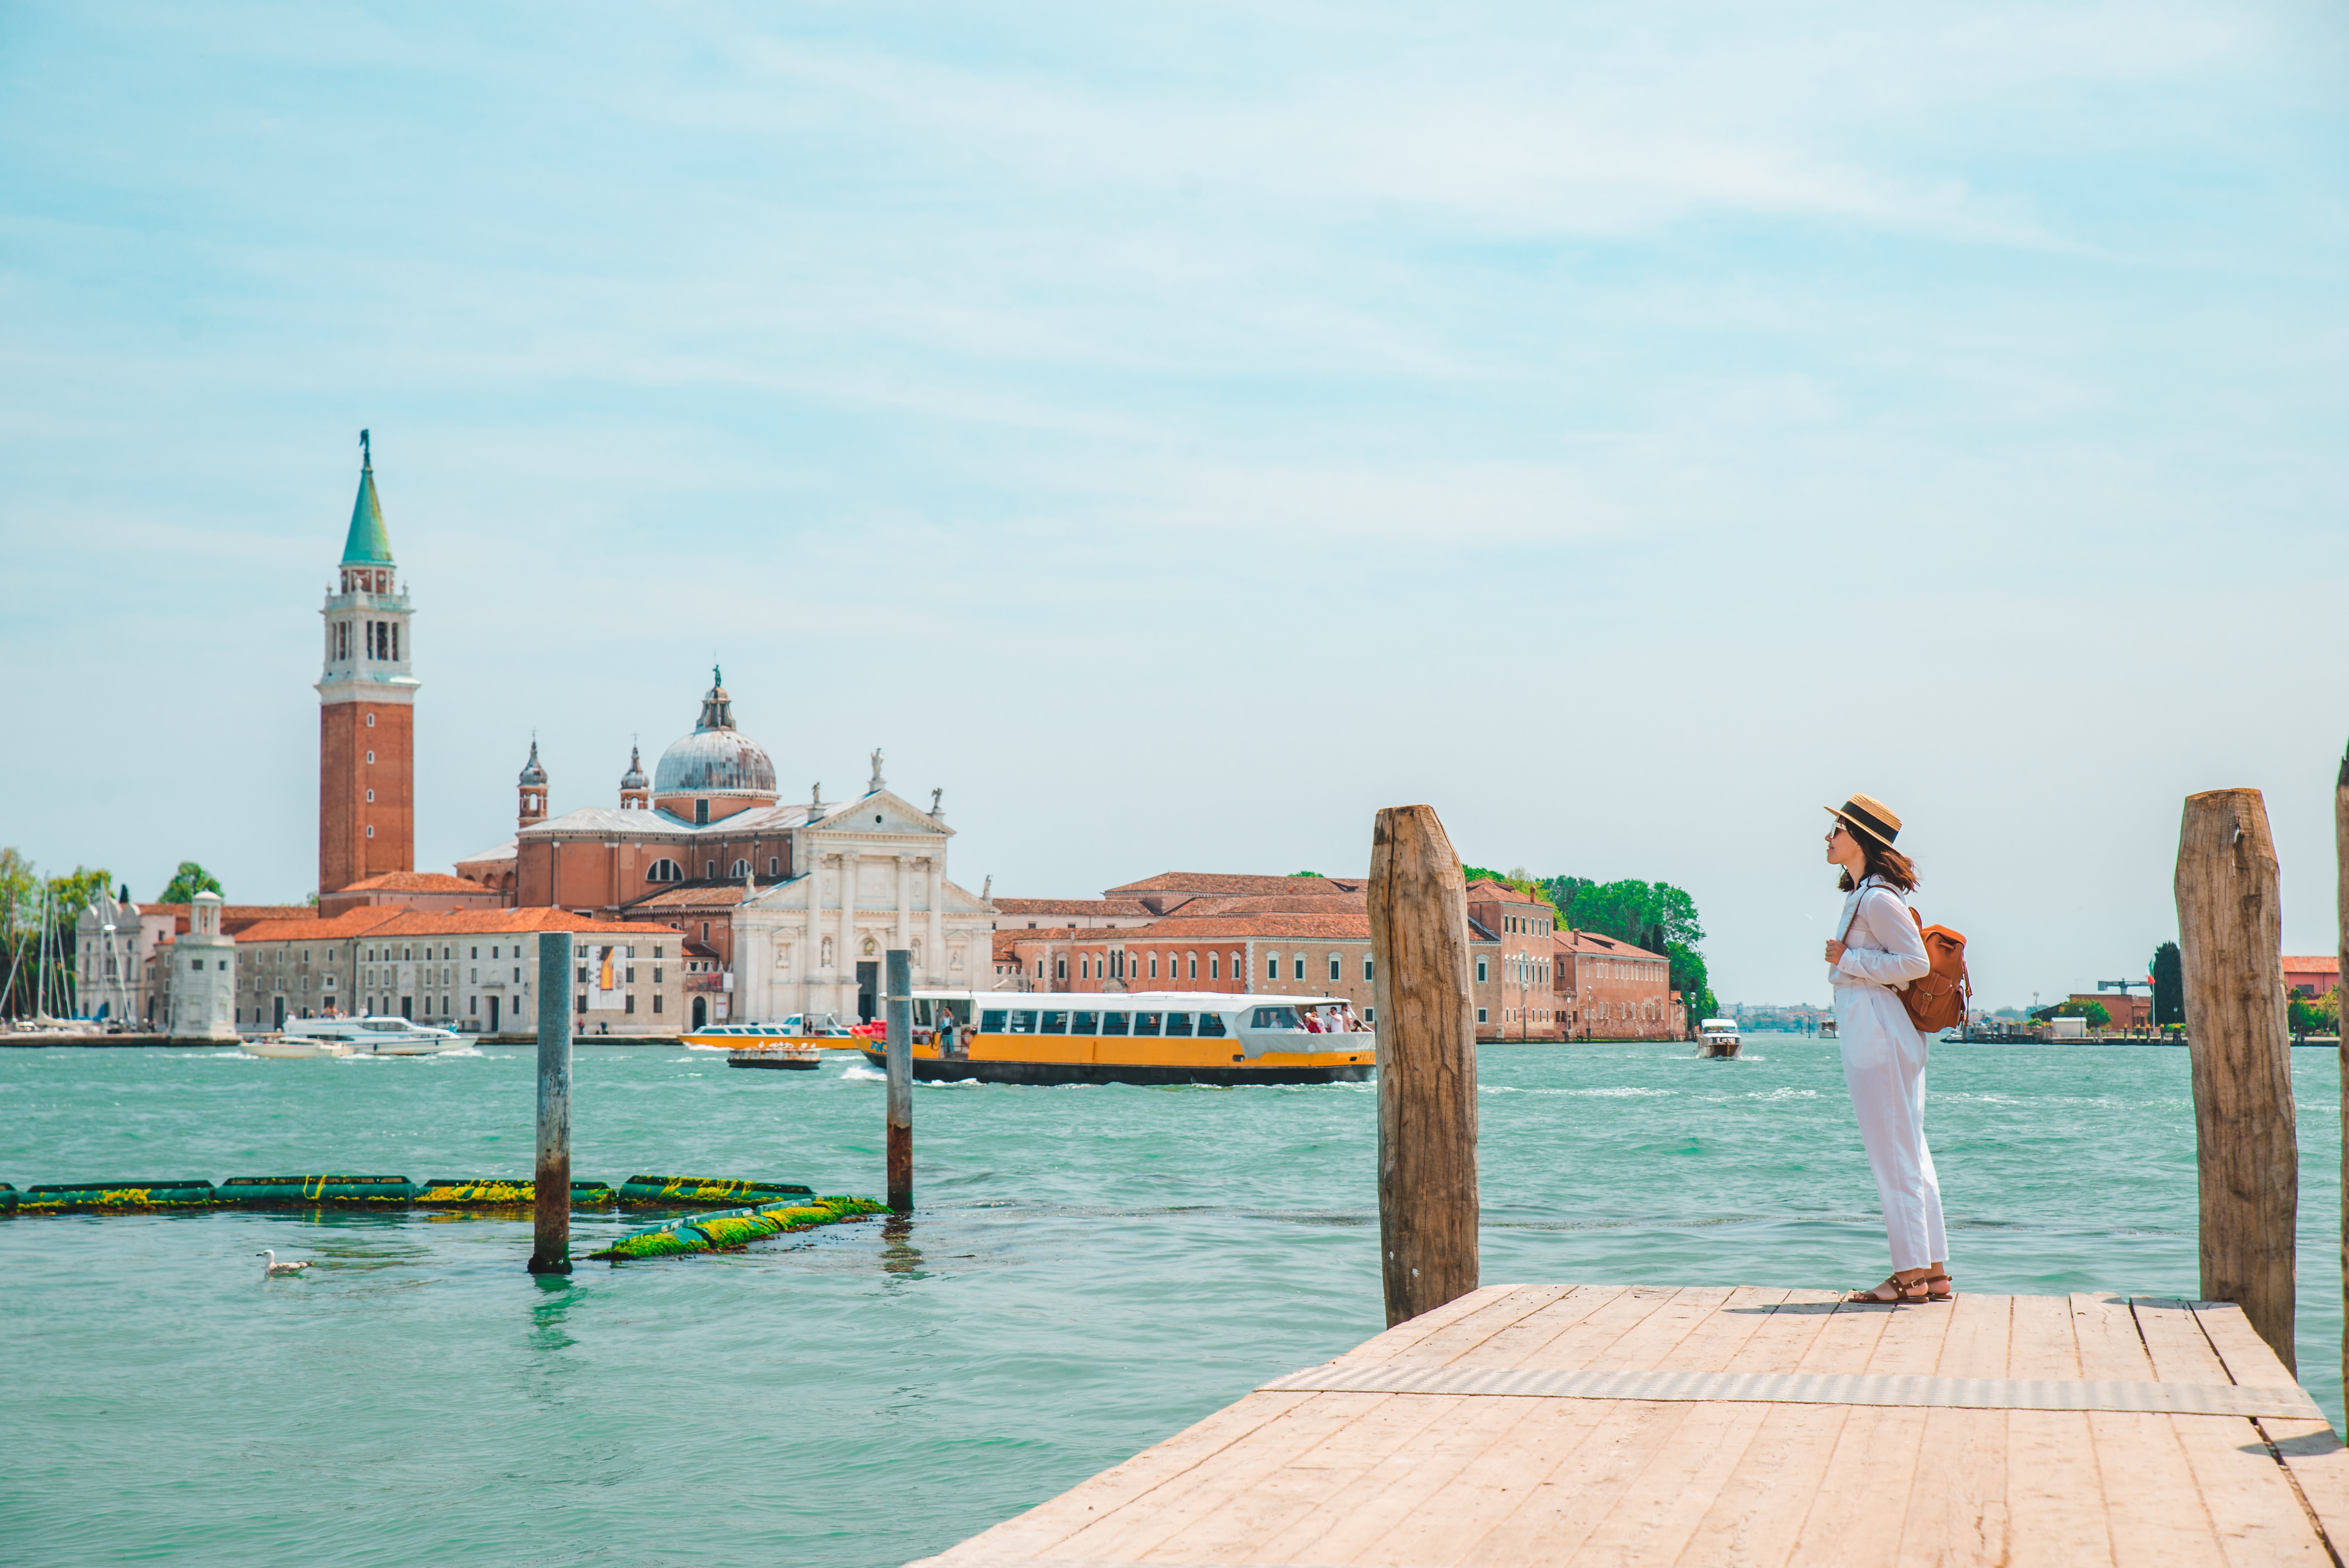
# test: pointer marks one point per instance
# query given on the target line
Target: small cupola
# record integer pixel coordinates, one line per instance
(635, 790)
(532, 787)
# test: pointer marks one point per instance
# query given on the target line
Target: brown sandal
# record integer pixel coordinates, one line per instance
(1932, 1280)
(1899, 1288)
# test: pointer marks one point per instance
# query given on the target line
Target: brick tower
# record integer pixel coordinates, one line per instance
(367, 815)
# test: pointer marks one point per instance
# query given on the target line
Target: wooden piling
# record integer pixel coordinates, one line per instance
(1427, 1064)
(2230, 935)
(2341, 1048)
(900, 1058)
(550, 1252)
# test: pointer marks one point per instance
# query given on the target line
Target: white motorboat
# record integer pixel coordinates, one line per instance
(1718, 1038)
(280, 1048)
(368, 1037)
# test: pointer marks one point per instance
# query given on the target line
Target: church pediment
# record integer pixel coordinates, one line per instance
(881, 812)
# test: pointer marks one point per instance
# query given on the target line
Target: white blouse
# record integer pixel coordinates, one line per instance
(1883, 947)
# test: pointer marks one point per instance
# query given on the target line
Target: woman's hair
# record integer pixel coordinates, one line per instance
(1883, 861)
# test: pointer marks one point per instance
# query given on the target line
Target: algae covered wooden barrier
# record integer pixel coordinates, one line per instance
(733, 1228)
(341, 1190)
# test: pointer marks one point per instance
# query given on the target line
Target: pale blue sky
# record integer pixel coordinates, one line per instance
(1178, 432)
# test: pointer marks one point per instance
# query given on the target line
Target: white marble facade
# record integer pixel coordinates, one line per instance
(204, 975)
(871, 876)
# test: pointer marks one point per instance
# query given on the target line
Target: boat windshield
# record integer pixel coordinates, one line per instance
(390, 1026)
(1275, 1018)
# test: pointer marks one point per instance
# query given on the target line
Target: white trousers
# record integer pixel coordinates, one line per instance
(1884, 1067)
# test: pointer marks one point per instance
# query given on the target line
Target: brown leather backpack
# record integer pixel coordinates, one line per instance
(1938, 998)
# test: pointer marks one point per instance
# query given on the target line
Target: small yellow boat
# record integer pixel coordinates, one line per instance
(1140, 1037)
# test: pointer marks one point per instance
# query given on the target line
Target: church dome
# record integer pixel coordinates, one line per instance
(715, 759)
(634, 778)
(532, 773)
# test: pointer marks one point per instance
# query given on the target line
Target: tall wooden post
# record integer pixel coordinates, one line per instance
(2340, 1003)
(2230, 936)
(900, 1058)
(550, 1251)
(1427, 1063)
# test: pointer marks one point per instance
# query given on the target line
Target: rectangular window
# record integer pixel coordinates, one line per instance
(1300, 966)
(631, 1006)
(1061, 968)
(1153, 966)
(1084, 1023)
(656, 1002)
(1370, 1015)
(1274, 1018)
(1054, 1024)
(1211, 1025)
(990, 1022)
(1023, 1022)
(1480, 975)
(1334, 961)
(583, 1002)
(1213, 973)
(774, 865)
(1366, 966)
(1178, 1025)
(1480, 1015)
(1272, 966)
(1145, 1023)
(1115, 1023)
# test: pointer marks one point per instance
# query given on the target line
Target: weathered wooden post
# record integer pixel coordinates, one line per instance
(550, 1252)
(900, 1057)
(2341, 1004)
(1427, 1063)
(2230, 936)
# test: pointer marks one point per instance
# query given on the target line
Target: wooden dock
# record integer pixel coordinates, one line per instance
(1635, 1424)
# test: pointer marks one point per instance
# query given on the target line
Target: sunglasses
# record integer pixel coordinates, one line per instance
(1838, 828)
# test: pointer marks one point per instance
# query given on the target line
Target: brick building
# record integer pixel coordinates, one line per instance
(2311, 977)
(475, 970)
(366, 697)
(1608, 989)
(1310, 935)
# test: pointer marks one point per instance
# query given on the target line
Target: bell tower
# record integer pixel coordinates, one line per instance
(366, 697)
(532, 789)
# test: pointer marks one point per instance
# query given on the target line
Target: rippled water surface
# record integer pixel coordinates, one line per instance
(1089, 1270)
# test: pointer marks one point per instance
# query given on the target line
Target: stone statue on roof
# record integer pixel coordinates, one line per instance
(877, 783)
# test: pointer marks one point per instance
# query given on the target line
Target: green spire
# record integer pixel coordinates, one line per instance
(367, 544)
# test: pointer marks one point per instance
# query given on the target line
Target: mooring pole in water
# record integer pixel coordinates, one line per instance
(2247, 1150)
(1427, 1064)
(900, 1057)
(550, 1252)
(2341, 909)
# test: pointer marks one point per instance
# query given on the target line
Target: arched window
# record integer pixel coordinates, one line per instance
(741, 867)
(1195, 967)
(665, 871)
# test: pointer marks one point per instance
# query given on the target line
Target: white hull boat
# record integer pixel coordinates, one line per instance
(278, 1047)
(368, 1037)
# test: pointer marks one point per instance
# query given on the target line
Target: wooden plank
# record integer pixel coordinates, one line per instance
(2155, 1509)
(1497, 1299)
(1957, 1503)
(1864, 1494)
(1757, 1517)
(2310, 1450)
(2255, 1511)
(1492, 1340)
(2054, 1496)
(1582, 1342)
(1382, 1518)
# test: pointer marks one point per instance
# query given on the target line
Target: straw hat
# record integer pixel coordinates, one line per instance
(1870, 816)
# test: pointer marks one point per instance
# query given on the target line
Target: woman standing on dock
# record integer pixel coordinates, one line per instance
(1883, 1054)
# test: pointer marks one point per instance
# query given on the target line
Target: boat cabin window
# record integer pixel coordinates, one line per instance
(1084, 1023)
(1145, 1023)
(1179, 1023)
(1275, 1018)
(1211, 1025)
(1114, 1024)
(1023, 1022)
(991, 1021)
(1054, 1024)
(394, 1025)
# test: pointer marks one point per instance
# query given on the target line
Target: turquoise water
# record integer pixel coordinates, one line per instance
(1089, 1270)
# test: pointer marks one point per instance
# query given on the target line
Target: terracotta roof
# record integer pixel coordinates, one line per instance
(2318, 964)
(1488, 890)
(696, 895)
(1124, 907)
(698, 949)
(1237, 886)
(1339, 924)
(412, 881)
(1005, 952)
(1606, 946)
(235, 917)
(392, 919)
(1289, 903)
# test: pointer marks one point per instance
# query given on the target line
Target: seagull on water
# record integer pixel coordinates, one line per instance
(272, 1269)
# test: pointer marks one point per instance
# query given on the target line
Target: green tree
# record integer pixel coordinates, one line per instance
(20, 893)
(1657, 916)
(77, 891)
(190, 880)
(2169, 973)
